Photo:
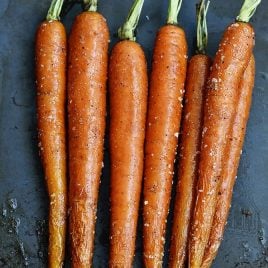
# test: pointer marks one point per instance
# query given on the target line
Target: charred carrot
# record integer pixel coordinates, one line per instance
(87, 73)
(197, 74)
(50, 52)
(128, 88)
(162, 130)
(229, 171)
(221, 102)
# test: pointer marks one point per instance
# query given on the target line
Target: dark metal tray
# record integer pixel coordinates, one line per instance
(23, 199)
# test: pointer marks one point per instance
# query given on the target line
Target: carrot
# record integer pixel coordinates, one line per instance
(229, 172)
(222, 98)
(87, 73)
(197, 74)
(163, 123)
(50, 53)
(128, 88)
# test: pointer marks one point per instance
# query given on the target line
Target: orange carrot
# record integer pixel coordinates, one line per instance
(50, 52)
(197, 74)
(232, 158)
(87, 73)
(222, 98)
(128, 88)
(163, 123)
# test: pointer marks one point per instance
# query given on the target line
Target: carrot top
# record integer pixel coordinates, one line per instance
(54, 10)
(173, 11)
(248, 9)
(127, 31)
(202, 31)
(90, 5)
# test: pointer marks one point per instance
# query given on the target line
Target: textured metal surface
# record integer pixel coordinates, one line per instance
(23, 199)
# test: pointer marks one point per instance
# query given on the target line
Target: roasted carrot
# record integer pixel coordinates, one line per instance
(128, 88)
(162, 130)
(229, 171)
(190, 141)
(87, 73)
(221, 102)
(50, 52)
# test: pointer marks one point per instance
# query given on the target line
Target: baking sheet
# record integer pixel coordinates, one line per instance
(23, 199)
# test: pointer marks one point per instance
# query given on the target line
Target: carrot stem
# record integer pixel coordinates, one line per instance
(91, 5)
(173, 11)
(127, 31)
(54, 10)
(248, 9)
(202, 31)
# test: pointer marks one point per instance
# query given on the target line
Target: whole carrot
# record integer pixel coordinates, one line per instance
(221, 102)
(163, 124)
(128, 88)
(50, 53)
(197, 74)
(231, 164)
(87, 73)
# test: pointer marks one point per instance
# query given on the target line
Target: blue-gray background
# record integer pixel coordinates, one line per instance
(23, 199)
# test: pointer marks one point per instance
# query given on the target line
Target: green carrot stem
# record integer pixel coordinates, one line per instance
(202, 31)
(54, 10)
(127, 31)
(91, 5)
(173, 11)
(248, 9)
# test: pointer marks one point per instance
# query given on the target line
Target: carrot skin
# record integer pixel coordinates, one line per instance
(163, 123)
(228, 67)
(128, 87)
(50, 51)
(197, 74)
(87, 74)
(231, 164)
